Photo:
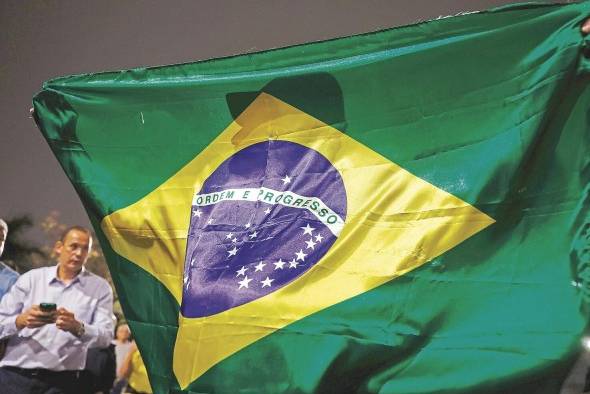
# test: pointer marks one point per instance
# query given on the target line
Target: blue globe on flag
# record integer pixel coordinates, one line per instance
(262, 219)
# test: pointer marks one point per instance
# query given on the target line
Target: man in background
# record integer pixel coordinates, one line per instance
(7, 275)
(51, 316)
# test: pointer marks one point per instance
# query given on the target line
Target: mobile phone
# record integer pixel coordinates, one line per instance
(47, 306)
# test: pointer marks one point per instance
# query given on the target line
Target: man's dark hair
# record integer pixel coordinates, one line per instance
(65, 233)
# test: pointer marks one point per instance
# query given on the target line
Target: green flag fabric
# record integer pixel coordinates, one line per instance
(405, 211)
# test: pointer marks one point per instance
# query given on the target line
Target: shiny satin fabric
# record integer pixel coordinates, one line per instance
(462, 145)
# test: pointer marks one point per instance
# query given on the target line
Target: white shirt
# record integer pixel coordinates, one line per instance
(88, 296)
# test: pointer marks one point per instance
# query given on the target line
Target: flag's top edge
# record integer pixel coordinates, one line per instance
(97, 77)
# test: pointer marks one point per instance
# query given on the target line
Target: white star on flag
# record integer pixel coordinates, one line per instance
(318, 238)
(253, 235)
(228, 236)
(286, 179)
(266, 282)
(259, 266)
(307, 229)
(241, 271)
(197, 213)
(293, 263)
(300, 255)
(232, 252)
(210, 221)
(279, 264)
(244, 282)
(234, 240)
(266, 212)
(248, 225)
(310, 244)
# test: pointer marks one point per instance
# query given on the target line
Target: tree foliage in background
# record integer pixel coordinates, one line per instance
(19, 252)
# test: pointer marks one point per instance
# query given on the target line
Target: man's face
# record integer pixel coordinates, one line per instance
(73, 251)
(2, 239)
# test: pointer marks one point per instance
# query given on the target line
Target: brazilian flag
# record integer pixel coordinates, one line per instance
(405, 211)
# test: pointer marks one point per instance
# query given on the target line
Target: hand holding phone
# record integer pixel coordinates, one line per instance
(36, 316)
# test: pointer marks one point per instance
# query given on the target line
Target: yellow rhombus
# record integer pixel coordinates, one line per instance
(394, 223)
